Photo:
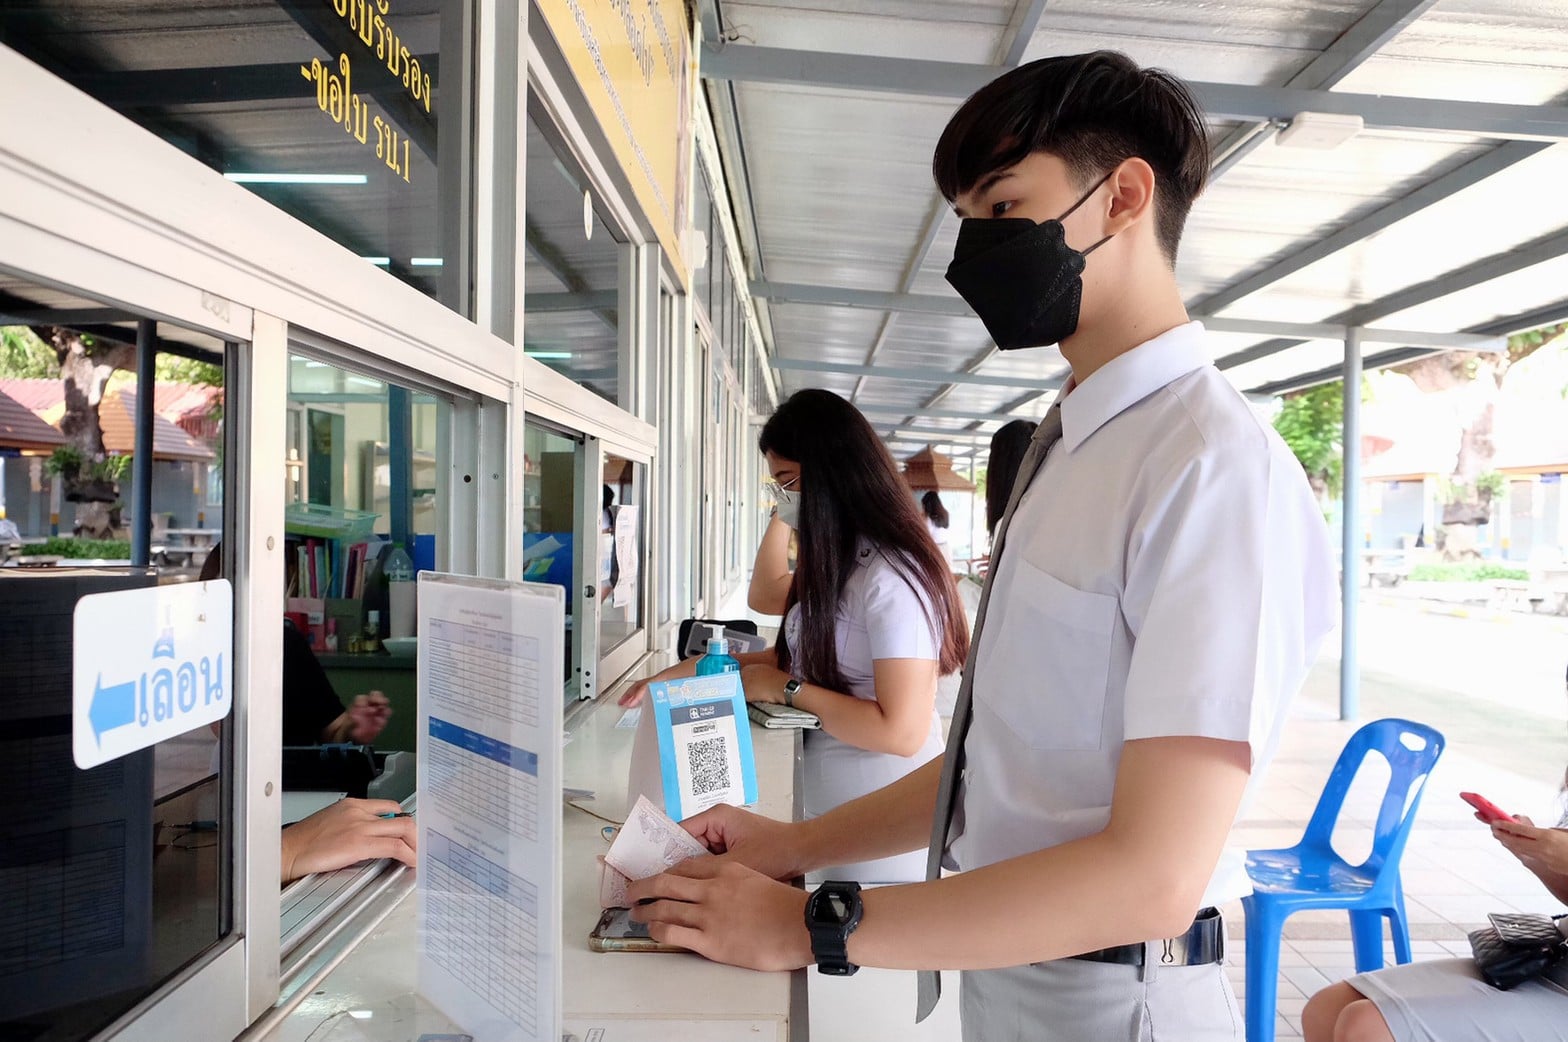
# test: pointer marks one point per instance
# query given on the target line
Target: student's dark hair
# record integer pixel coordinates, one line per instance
(931, 503)
(609, 497)
(851, 489)
(1008, 446)
(1092, 111)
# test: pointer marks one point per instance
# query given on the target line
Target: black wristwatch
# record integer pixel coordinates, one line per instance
(832, 913)
(791, 686)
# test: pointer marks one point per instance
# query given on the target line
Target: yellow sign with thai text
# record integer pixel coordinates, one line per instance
(632, 62)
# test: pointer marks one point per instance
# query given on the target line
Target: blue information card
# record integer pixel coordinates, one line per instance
(705, 755)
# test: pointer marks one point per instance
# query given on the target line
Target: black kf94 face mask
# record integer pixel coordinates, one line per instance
(1021, 278)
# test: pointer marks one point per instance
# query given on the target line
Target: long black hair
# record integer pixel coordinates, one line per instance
(931, 503)
(851, 489)
(1008, 446)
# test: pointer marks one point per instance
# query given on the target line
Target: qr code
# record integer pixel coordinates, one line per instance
(710, 765)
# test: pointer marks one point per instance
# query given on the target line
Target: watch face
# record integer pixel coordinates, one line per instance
(838, 906)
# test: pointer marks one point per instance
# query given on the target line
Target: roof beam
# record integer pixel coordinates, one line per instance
(935, 376)
(873, 300)
(1387, 19)
(1466, 176)
(1020, 31)
(937, 304)
(946, 414)
(1230, 101)
(1548, 247)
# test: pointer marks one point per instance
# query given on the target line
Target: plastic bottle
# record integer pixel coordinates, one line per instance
(718, 659)
(372, 640)
(399, 570)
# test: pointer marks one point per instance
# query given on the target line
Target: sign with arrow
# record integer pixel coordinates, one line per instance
(149, 664)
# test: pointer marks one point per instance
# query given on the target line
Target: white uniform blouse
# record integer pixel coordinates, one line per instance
(1166, 574)
(881, 615)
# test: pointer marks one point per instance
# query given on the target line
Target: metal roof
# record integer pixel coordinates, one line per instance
(1444, 216)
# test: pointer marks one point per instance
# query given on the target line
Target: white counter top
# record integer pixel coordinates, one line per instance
(609, 997)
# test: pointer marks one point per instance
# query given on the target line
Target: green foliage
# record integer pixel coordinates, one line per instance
(68, 462)
(1312, 424)
(85, 549)
(176, 370)
(25, 357)
(1488, 486)
(1465, 572)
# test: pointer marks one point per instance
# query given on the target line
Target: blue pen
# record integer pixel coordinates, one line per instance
(396, 814)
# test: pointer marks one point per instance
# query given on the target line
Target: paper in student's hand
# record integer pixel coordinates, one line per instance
(612, 887)
(650, 842)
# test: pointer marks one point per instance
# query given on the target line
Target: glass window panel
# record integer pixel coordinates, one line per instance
(572, 275)
(113, 878)
(364, 484)
(622, 521)
(552, 462)
(332, 117)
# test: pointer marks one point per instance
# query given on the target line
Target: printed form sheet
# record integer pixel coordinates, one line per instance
(491, 659)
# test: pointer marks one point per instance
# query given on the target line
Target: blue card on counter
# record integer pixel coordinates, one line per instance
(705, 755)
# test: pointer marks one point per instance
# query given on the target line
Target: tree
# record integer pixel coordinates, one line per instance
(1468, 492)
(23, 356)
(85, 365)
(172, 369)
(1312, 423)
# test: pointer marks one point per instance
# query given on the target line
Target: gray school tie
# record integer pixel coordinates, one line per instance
(1045, 436)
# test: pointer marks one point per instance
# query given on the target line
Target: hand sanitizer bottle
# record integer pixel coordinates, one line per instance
(718, 659)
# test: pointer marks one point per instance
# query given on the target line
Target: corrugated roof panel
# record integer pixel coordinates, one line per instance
(841, 183)
(1307, 357)
(1502, 298)
(961, 30)
(1484, 220)
(1473, 50)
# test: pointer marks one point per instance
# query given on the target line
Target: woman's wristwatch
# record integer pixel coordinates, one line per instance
(791, 686)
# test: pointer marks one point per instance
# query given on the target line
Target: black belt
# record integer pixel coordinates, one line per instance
(1202, 944)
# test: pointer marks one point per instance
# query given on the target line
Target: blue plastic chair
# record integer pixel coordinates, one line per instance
(1311, 875)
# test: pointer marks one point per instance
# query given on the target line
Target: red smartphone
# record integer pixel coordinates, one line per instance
(1490, 811)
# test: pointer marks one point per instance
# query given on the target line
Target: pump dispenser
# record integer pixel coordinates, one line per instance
(718, 659)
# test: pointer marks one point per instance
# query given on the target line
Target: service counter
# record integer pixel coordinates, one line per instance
(619, 997)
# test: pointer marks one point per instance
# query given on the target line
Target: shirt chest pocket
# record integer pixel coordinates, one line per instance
(1048, 660)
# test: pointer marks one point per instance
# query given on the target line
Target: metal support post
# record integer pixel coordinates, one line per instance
(141, 458)
(1350, 525)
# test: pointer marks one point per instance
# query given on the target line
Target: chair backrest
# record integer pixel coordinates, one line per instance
(1412, 750)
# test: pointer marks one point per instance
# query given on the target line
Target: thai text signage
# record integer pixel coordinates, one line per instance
(632, 60)
(149, 664)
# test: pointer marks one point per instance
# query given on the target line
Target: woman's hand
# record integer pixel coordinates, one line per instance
(634, 695)
(347, 832)
(763, 683)
(1539, 849)
(368, 717)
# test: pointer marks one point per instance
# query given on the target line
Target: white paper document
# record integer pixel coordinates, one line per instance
(490, 659)
(650, 842)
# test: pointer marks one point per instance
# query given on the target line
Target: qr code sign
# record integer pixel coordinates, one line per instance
(710, 765)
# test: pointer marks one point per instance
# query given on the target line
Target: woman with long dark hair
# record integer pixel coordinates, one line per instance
(937, 520)
(871, 617)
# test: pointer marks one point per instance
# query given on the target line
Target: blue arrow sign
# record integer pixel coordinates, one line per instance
(112, 707)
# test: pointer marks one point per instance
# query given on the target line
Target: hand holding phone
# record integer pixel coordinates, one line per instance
(1490, 812)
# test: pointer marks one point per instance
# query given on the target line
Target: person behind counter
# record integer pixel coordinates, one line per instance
(871, 615)
(347, 832)
(937, 521)
(312, 711)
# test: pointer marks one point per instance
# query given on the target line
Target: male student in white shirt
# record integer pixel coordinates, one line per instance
(1163, 585)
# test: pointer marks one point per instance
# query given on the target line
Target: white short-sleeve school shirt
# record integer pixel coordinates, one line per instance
(1167, 573)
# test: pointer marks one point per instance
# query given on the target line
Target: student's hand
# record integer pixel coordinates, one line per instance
(1539, 849)
(345, 833)
(725, 912)
(763, 683)
(634, 695)
(767, 846)
(368, 716)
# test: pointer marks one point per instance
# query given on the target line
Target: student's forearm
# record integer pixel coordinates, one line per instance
(1140, 879)
(1555, 882)
(893, 820)
(688, 667)
(339, 729)
(1063, 901)
(770, 575)
(863, 723)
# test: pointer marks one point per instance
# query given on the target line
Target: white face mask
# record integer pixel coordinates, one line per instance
(788, 509)
(788, 502)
